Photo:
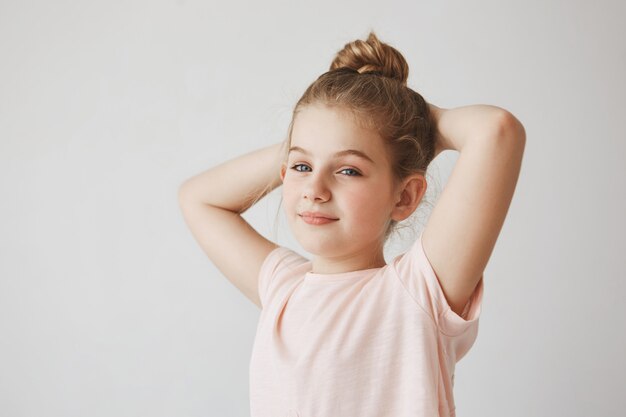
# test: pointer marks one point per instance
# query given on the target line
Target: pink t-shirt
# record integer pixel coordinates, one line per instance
(380, 342)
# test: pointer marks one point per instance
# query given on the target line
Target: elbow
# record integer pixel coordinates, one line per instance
(510, 129)
(183, 194)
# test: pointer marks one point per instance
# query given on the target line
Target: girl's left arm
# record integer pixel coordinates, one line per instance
(462, 229)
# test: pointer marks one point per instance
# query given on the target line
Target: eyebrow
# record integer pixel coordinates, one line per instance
(340, 153)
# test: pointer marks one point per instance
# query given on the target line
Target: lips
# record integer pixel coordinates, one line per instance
(317, 217)
(317, 214)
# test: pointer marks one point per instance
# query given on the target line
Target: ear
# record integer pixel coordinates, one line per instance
(408, 196)
(283, 169)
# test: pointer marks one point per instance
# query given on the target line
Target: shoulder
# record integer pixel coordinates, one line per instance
(418, 277)
(281, 258)
(280, 265)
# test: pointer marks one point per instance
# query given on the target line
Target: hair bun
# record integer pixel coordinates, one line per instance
(372, 57)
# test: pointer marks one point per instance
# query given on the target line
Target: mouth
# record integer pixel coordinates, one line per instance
(317, 220)
(316, 215)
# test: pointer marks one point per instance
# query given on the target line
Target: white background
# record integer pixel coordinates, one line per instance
(108, 307)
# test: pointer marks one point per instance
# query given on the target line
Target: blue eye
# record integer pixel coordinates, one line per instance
(298, 165)
(356, 173)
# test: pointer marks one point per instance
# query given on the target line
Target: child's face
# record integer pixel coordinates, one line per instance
(320, 181)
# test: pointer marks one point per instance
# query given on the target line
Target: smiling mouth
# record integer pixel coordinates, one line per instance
(317, 220)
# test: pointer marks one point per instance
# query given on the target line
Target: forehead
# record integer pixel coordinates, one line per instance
(324, 131)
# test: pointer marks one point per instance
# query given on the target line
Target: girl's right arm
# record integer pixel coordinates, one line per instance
(212, 203)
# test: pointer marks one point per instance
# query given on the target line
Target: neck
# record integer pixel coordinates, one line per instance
(348, 263)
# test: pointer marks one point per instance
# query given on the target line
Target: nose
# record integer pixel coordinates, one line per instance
(315, 189)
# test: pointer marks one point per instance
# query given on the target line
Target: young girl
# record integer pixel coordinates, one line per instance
(346, 333)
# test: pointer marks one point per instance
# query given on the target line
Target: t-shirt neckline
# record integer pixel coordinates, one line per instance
(312, 276)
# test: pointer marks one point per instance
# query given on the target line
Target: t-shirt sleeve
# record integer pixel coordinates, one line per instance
(278, 262)
(419, 278)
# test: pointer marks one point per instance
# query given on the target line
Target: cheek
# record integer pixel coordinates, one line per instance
(290, 198)
(288, 190)
(371, 202)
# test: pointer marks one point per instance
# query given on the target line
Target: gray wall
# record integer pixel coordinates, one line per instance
(108, 307)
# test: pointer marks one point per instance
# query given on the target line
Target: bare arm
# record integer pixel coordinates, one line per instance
(455, 127)
(231, 184)
(462, 230)
(212, 203)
